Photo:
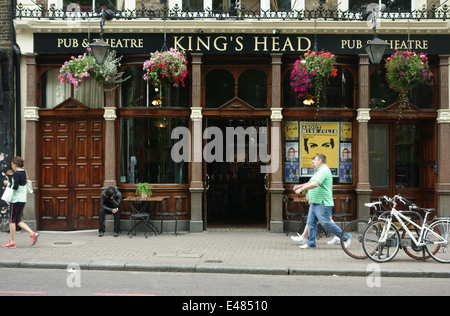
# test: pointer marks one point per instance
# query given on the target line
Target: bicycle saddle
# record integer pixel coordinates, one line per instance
(428, 210)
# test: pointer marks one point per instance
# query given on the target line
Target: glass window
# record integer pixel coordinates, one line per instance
(280, 5)
(252, 88)
(89, 5)
(219, 85)
(339, 92)
(407, 166)
(192, 5)
(136, 92)
(379, 155)
(145, 151)
(382, 96)
(53, 92)
(391, 5)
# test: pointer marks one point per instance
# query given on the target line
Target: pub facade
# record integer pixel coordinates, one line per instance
(237, 98)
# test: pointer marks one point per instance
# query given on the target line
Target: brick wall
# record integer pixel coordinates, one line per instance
(5, 23)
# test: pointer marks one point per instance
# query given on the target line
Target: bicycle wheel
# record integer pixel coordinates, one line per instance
(437, 241)
(381, 251)
(355, 228)
(410, 248)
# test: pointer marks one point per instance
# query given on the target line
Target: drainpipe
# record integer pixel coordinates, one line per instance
(16, 57)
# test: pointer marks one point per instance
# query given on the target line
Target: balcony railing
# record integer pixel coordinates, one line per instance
(176, 13)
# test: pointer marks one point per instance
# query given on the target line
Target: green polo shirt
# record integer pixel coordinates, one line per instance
(324, 192)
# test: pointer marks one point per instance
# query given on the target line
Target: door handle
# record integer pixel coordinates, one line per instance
(207, 182)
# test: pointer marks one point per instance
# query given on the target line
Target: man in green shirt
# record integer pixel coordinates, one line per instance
(320, 195)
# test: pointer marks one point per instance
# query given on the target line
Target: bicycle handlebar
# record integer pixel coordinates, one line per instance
(401, 199)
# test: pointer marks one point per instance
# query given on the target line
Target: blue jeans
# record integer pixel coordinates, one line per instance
(321, 213)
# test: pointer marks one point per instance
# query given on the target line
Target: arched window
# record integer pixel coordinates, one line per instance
(136, 92)
(53, 92)
(252, 88)
(382, 96)
(219, 88)
(338, 92)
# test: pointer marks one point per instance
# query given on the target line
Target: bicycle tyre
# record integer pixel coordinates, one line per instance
(440, 253)
(355, 228)
(381, 252)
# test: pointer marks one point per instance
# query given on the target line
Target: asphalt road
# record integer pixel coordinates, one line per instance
(42, 282)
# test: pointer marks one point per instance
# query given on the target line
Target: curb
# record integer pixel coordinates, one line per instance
(215, 268)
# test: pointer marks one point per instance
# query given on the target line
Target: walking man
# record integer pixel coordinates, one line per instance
(320, 194)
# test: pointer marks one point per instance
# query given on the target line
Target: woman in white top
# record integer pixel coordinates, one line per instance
(19, 186)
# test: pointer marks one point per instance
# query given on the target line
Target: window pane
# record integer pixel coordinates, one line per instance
(379, 155)
(145, 151)
(192, 5)
(381, 95)
(391, 5)
(338, 91)
(136, 92)
(407, 156)
(219, 87)
(422, 96)
(252, 88)
(280, 5)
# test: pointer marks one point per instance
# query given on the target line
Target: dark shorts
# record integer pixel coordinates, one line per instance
(16, 212)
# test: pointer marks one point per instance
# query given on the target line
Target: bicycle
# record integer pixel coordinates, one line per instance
(381, 240)
(357, 228)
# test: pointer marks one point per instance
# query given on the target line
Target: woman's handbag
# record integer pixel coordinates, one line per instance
(30, 186)
(7, 194)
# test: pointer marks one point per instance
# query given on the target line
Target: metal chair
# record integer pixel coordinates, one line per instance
(140, 215)
(290, 214)
(343, 212)
(176, 214)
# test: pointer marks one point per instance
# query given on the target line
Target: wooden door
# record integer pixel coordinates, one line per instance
(72, 171)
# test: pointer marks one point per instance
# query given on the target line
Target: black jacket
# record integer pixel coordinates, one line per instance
(111, 203)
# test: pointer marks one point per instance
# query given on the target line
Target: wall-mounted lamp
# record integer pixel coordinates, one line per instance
(276, 32)
(100, 48)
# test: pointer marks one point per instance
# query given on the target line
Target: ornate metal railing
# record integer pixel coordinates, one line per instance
(176, 13)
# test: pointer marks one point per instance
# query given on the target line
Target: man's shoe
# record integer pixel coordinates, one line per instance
(101, 234)
(305, 246)
(347, 242)
(335, 241)
(10, 245)
(116, 234)
(299, 240)
(34, 239)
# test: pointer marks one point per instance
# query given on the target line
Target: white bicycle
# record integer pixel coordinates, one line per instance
(381, 239)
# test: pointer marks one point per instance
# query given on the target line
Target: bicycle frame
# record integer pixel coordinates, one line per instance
(402, 219)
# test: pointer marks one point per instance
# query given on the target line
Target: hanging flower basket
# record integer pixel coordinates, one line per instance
(311, 71)
(76, 70)
(405, 69)
(170, 66)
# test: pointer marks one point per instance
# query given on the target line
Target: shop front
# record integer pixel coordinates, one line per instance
(250, 138)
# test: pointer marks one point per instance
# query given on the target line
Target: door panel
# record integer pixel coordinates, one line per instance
(72, 173)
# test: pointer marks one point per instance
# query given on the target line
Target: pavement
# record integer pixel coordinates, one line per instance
(250, 251)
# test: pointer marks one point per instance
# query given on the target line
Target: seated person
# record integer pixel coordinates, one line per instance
(110, 204)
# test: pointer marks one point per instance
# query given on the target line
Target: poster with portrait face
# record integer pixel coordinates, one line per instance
(319, 138)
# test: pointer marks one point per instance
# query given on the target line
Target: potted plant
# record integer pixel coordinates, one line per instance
(169, 66)
(77, 69)
(404, 70)
(311, 71)
(144, 189)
